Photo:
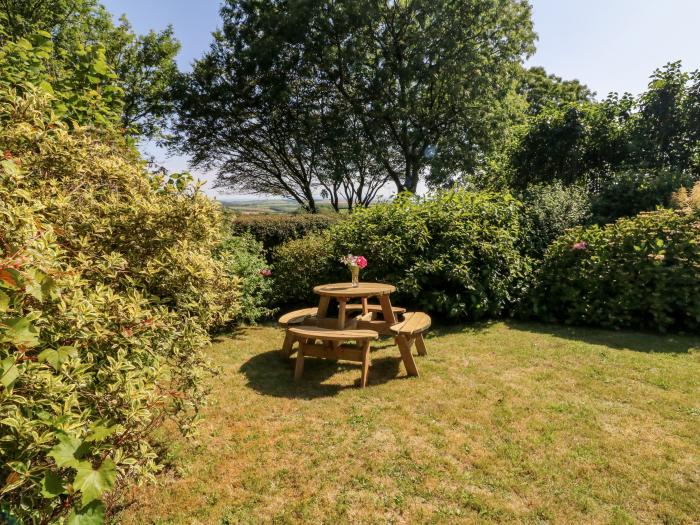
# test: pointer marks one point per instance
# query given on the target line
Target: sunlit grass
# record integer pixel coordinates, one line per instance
(508, 423)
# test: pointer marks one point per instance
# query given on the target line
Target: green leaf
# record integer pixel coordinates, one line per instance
(8, 372)
(92, 514)
(52, 485)
(68, 451)
(4, 301)
(56, 358)
(20, 331)
(95, 482)
(101, 431)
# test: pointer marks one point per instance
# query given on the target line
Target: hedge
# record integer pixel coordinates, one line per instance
(273, 230)
(640, 272)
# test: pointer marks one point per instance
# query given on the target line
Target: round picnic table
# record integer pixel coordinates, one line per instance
(342, 292)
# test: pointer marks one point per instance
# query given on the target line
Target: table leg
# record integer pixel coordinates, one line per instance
(365, 364)
(341, 312)
(323, 307)
(365, 310)
(387, 312)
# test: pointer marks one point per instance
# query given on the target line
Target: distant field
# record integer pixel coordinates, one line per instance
(269, 206)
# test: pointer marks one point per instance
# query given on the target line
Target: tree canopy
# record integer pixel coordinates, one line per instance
(414, 89)
(144, 65)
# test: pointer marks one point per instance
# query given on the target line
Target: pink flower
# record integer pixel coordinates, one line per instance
(581, 245)
(361, 262)
(266, 272)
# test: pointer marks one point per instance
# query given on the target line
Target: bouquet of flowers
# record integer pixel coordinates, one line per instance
(355, 263)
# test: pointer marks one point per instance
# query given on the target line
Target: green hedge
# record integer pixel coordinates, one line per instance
(640, 272)
(274, 230)
(455, 254)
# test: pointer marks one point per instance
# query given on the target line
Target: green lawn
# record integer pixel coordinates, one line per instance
(508, 423)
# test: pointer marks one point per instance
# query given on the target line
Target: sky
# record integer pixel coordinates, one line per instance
(609, 45)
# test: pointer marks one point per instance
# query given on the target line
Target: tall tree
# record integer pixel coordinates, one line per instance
(419, 88)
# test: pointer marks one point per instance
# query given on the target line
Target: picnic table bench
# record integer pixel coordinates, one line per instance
(326, 337)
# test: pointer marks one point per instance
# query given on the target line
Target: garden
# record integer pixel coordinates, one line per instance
(145, 377)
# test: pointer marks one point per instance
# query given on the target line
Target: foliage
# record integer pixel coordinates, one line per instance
(300, 264)
(107, 287)
(243, 258)
(125, 72)
(658, 131)
(641, 272)
(314, 94)
(274, 230)
(542, 90)
(454, 254)
(626, 193)
(687, 200)
(85, 94)
(551, 209)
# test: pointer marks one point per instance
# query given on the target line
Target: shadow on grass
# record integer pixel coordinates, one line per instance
(648, 342)
(271, 375)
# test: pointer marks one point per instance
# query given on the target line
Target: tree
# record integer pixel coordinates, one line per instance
(542, 90)
(421, 86)
(145, 65)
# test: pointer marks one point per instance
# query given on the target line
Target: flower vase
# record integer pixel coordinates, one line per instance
(355, 271)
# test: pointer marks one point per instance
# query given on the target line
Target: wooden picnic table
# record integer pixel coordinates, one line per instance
(343, 292)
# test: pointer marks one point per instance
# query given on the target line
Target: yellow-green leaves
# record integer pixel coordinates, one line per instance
(8, 372)
(57, 357)
(20, 331)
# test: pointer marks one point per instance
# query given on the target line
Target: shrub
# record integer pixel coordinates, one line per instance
(299, 265)
(641, 272)
(687, 200)
(274, 230)
(455, 253)
(627, 193)
(551, 209)
(243, 259)
(107, 287)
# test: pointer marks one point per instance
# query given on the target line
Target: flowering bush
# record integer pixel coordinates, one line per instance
(107, 289)
(641, 272)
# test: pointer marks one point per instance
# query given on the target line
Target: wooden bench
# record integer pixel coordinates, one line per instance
(333, 346)
(297, 317)
(410, 331)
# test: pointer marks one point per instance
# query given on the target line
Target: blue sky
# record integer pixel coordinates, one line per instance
(610, 45)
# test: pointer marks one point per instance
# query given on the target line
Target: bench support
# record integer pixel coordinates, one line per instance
(355, 353)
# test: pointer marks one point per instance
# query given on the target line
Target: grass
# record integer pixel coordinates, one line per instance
(509, 423)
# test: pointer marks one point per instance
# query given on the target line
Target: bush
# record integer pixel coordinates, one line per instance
(107, 287)
(243, 258)
(275, 230)
(640, 272)
(455, 253)
(301, 264)
(627, 193)
(551, 209)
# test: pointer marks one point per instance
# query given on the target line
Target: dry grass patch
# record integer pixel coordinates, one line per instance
(509, 423)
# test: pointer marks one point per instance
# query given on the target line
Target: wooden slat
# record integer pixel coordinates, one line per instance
(326, 334)
(413, 323)
(297, 316)
(373, 308)
(342, 352)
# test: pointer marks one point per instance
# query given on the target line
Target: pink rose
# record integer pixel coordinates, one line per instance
(266, 272)
(361, 261)
(581, 245)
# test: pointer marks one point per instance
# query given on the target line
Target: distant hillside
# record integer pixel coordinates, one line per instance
(269, 206)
